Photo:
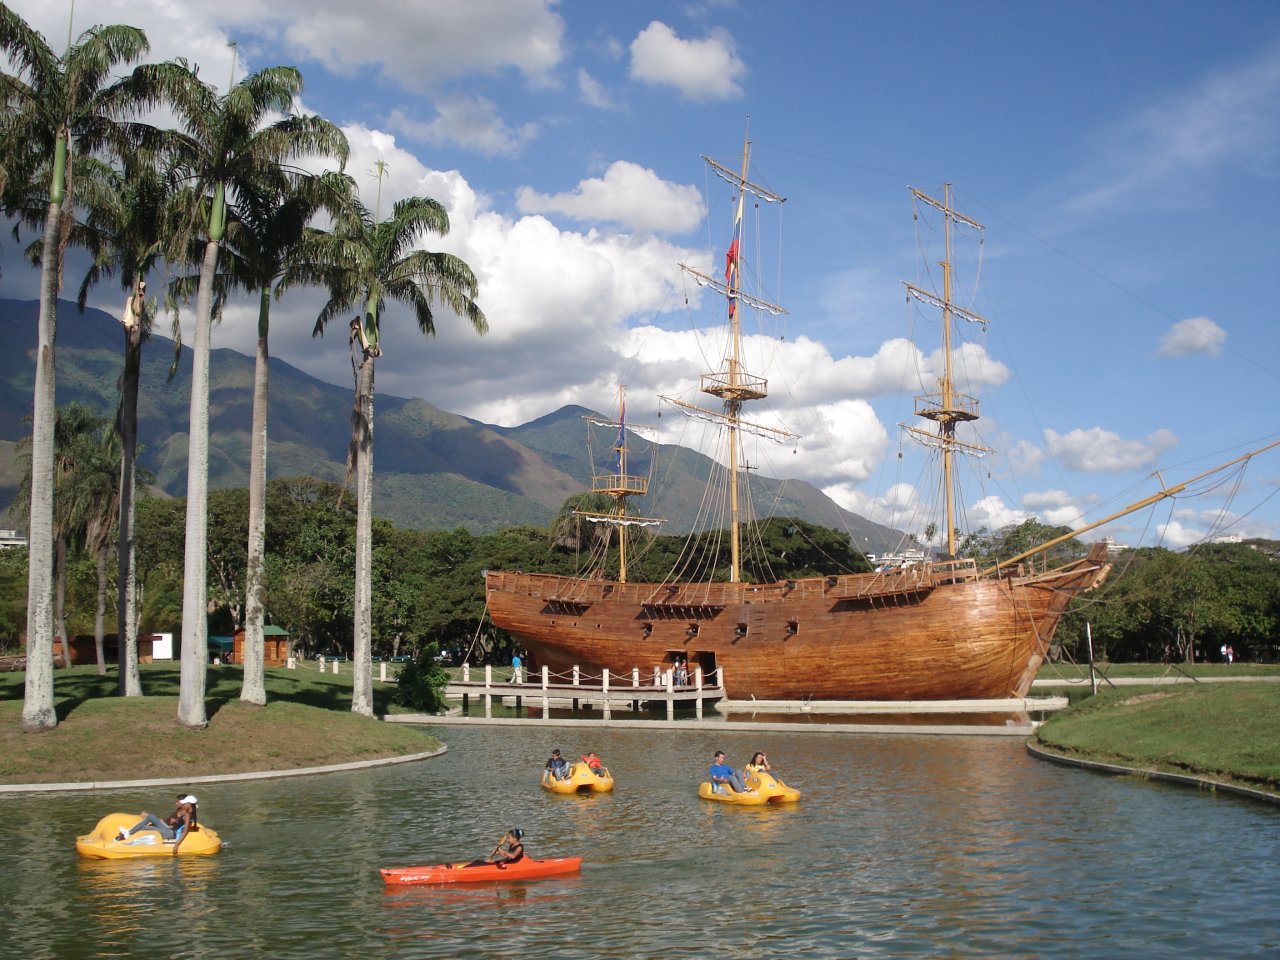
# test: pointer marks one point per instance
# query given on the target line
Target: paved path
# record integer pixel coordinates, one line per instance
(1171, 678)
(1008, 730)
(215, 778)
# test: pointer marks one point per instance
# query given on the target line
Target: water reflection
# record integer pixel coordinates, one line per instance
(901, 847)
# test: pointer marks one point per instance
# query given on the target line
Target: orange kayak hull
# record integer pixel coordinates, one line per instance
(526, 869)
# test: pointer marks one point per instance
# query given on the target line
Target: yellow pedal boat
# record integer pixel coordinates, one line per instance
(726, 794)
(774, 790)
(581, 779)
(102, 844)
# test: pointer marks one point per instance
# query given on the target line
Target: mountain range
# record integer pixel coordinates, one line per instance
(433, 469)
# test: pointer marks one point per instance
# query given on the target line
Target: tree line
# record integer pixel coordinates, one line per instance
(1160, 605)
(216, 203)
(428, 586)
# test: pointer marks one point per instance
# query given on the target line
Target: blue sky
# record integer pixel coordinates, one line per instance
(1123, 157)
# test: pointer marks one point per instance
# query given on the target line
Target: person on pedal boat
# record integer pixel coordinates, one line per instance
(558, 766)
(721, 773)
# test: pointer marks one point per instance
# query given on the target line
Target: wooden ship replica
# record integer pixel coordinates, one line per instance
(941, 629)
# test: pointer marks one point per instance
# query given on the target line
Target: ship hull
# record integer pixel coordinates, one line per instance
(933, 632)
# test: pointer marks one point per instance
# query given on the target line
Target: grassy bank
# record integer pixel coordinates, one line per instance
(1224, 732)
(306, 722)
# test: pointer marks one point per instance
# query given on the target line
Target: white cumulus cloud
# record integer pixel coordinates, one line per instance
(702, 70)
(471, 122)
(628, 194)
(1100, 451)
(1198, 335)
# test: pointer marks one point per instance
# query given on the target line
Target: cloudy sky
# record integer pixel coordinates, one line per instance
(1123, 157)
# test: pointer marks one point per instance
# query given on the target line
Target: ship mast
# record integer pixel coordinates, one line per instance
(947, 407)
(619, 486)
(732, 383)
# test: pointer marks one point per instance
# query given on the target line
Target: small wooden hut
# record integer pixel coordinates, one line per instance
(275, 646)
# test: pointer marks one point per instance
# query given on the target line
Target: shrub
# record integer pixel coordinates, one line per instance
(422, 682)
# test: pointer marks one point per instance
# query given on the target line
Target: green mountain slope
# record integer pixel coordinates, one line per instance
(435, 469)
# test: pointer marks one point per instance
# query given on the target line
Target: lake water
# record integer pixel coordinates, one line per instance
(903, 846)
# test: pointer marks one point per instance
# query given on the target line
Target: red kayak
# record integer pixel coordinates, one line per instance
(526, 869)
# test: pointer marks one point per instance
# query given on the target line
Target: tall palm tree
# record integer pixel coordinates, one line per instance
(371, 261)
(55, 109)
(124, 229)
(230, 149)
(264, 244)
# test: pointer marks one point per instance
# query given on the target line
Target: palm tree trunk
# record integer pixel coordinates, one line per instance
(60, 596)
(100, 610)
(37, 705)
(362, 440)
(253, 689)
(126, 561)
(195, 585)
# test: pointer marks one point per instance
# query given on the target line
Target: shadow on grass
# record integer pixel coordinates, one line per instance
(74, 686)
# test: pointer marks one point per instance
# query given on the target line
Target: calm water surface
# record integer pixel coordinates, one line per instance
(902, 847)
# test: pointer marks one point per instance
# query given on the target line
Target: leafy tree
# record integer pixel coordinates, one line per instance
(1018, 539)
(1165, 605)
(369, 261)
(13, 611)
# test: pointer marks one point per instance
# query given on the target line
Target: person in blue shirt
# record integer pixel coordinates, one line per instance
(558, 765)
(515, 669)
(721, 772)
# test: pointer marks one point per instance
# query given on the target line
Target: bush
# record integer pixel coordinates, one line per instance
(422, 682)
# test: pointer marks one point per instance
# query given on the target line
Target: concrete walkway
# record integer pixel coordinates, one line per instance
(215, 778)
(1009, 730)
(1203, 783)
(1172, 678)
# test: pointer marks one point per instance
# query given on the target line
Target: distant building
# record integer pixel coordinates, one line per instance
(888, 561)
(275, 646)
(1113, 548)
(12, 538)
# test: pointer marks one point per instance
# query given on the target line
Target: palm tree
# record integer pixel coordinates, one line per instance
(371, 261)
(230, 149)
(79, 492)
(55, 109)
(124, 229)
(264, 244)
(97, 483)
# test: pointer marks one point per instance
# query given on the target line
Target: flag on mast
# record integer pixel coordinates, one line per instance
(731, 257)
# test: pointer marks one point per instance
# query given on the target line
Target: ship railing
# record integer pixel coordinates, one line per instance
(882, 583)
(605, 689)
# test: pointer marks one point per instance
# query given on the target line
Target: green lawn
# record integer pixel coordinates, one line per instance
(306, 722)
(1228, 732)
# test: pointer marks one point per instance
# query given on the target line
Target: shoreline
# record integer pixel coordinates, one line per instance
(92, 786)
(1150, 773)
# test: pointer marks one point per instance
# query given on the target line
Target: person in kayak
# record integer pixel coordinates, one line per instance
(176, 826)
(722, 773)
(513, 853)
(758, 763)
(594, 762)
(558, 765)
